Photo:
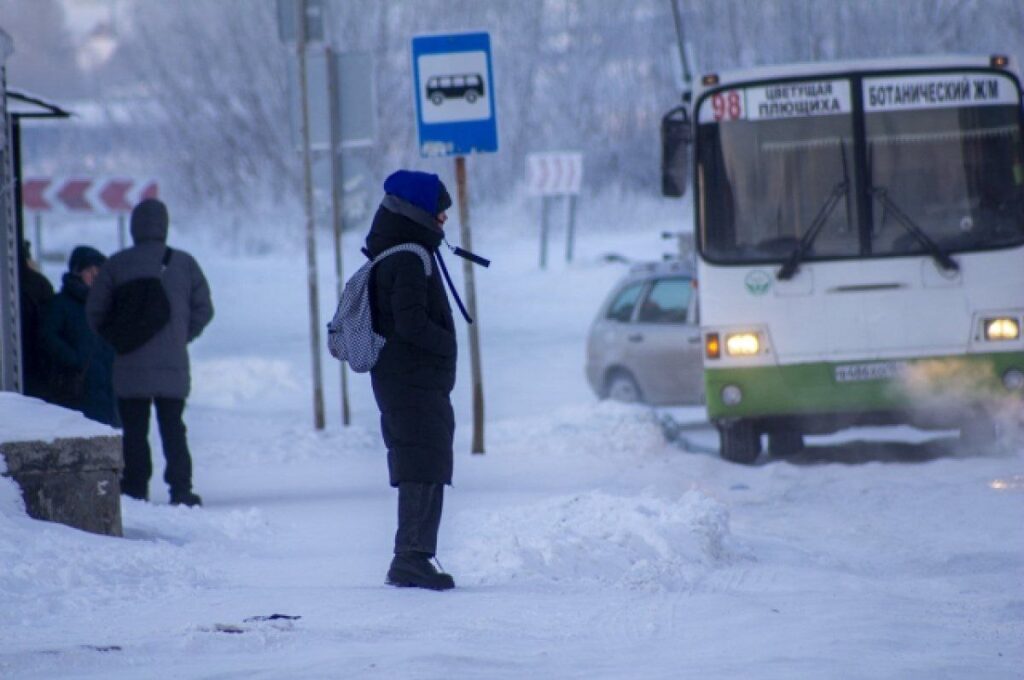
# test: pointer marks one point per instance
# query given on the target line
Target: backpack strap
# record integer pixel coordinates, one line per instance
(451, 287)
(409, 248)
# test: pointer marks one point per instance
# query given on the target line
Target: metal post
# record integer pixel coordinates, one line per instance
(336, 203)
(544, 232)
(570, 235)
(37, 224)
(10, 240)
(122, 237)
(474, 328)
(677, 19)
(307, 177)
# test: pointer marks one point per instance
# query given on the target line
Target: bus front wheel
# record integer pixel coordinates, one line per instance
(739, 441)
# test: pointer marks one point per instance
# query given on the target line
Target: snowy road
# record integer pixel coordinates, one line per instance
(583, 543)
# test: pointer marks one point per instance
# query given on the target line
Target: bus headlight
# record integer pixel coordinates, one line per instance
(742, 344)
(1002, 328)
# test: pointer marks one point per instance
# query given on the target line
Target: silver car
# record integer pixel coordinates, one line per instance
(645, 343)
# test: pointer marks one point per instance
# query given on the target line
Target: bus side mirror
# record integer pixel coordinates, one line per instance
(676, 135)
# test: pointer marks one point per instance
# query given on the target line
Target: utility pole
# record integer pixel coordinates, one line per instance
(677, 18)
(474, 328)
(307, 177)
(336, 203)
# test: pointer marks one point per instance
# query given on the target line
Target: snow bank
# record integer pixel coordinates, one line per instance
(232, 439)
(167, 552)
(605, 428)
(634, 542)
(26, 419)
(242, 381)
(11, 503)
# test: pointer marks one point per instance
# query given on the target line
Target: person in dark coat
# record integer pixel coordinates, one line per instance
(158, 371)
(82, 361)
(415, 372)
(35, 293)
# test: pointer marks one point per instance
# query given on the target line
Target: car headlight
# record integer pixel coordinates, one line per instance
(742, 344)
(1002, 328)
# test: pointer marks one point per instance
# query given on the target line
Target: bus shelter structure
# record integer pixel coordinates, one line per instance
(14, 107)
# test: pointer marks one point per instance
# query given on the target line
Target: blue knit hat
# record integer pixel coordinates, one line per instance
(423, 189)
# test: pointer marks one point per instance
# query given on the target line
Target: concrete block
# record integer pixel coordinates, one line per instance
(74, 481)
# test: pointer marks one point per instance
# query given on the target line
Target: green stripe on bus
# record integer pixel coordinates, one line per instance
(800, 389)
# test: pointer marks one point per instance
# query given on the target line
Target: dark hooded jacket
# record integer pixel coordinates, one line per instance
(78, 354)
(415, 372)
(36, 293)
(160, 368)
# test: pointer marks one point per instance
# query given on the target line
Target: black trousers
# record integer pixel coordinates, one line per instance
(419, 517)
(138, 464)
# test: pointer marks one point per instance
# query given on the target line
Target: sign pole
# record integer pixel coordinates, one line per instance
(474, 328)
(570, 235)
(37, 220)
(336, 205)
(120, 231)
(307, 176)
(544, 232)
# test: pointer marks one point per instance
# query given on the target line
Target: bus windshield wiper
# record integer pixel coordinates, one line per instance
(840, 189)
(792, 263)
(936, 251)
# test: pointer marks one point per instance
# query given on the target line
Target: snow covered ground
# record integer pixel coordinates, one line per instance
(583, 543)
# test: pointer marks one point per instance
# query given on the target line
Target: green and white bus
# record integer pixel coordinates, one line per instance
(860, 240)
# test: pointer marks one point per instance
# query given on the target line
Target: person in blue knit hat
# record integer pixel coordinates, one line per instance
(415, 373)
(82, 361)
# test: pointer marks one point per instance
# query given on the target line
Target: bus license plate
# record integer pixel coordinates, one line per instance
(863, 372)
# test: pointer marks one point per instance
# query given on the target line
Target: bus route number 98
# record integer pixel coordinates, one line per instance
(727, 105)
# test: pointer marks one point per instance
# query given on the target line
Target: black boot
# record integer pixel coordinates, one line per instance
(139, 493)
(187, 498)
(415, 570)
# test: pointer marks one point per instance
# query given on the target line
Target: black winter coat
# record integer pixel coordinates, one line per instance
(36, 293)
(75, 350)
(415, 372)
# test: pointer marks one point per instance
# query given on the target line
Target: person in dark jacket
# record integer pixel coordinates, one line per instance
(35, 293)
(82, 361)
(158, 371)
(415, 372)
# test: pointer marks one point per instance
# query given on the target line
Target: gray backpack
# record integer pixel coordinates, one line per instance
(350, 334)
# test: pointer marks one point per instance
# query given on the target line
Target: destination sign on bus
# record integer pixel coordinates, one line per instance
(897, 93)
(799, 100)
(778, 101)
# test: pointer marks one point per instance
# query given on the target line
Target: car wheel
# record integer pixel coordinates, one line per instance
(471, 96)
(785, 442)
(437, 99)
(739, 442)
(622, 387)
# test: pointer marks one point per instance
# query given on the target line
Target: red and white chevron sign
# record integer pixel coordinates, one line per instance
(552, 173)
(85, 195)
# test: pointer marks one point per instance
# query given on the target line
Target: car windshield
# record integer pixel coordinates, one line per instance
(770, 156)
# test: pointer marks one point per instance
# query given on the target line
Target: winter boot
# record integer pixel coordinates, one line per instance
(414, 570)
(186, 498)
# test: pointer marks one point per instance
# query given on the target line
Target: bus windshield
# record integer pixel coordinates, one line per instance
(942, 151)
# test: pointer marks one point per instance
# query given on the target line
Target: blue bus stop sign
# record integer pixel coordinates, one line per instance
(454, 93)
